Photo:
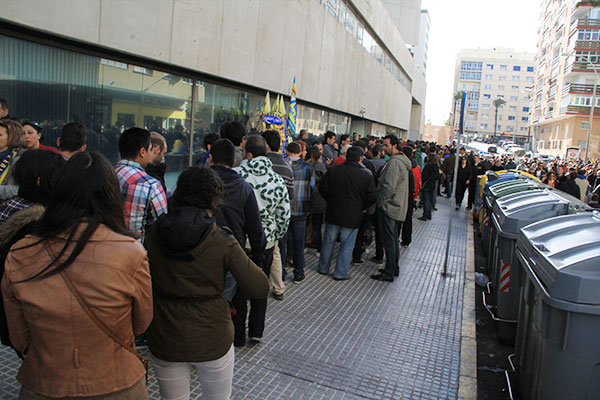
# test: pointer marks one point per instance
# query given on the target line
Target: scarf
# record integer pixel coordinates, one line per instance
(5, 164)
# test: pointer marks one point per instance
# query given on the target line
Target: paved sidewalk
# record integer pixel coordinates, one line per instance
(356, 339)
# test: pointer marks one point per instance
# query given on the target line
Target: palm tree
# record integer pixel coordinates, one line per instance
(497, 103)
(457, 96)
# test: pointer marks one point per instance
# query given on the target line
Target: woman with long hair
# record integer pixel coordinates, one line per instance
(550, 179)
(76, 291)
(11, 142)
(430, 176)
(189, 258)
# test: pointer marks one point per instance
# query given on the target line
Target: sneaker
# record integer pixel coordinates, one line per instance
(277, 296)
(358, 261)
(254, 339)
(376, 260)
(422, 219)
(297, 280)
(382, 277)
(434, 209)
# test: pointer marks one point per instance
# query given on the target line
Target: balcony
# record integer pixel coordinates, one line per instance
(581, 11)
(579, 110)
(573, 70)
(587, 45)
(577, 88)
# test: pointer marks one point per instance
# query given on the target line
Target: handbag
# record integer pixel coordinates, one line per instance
(104, 328)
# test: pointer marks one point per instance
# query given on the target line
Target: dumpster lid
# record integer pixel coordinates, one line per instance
(517, 210)
(565, 255)
(576, 205)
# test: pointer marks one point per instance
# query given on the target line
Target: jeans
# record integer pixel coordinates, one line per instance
(258, 309)
(296, 239)
(390, 231)
(427, 196)
(215, 377)
(347, 239)
(449, 179)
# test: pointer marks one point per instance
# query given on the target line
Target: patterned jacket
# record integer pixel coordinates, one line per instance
(304, 187)
(271, 195)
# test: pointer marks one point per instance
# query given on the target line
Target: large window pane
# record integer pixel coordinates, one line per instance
(53, 86)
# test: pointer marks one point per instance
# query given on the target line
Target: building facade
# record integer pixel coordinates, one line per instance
(184, 67)
(566, 81)
(490, 74)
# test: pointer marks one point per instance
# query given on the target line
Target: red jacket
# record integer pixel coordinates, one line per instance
(418, 184)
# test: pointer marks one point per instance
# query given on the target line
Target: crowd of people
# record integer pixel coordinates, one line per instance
(97, 258)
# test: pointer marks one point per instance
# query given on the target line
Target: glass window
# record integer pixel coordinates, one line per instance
(487, 86)
(488, 76)
(529, 69)
(487, 96)
(516, 68)
(502, 67)
(511, 117)
(516, 78)
(490, 66)
(515, 88)
(525, 109)
(514, 98)
(501, 87)
(106, 96)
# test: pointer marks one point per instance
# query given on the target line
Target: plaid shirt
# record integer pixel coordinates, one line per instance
(11, 206)
(139, 191)
(304, 187)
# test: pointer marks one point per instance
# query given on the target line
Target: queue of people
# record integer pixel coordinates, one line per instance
(97, 259)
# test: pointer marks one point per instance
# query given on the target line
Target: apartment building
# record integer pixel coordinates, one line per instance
(566, 80)
(490, 74)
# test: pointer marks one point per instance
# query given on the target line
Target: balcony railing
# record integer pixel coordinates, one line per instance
(581, 88)
(583, 23)
(580, 66)
(572, 109)
(587, 44)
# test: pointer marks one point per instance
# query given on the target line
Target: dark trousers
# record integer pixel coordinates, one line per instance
(472, 190)
(449, 181)
(283, 245)
(317, 223)
(427, 197)
(390, 232)
(407, 225)
(296, 240)
(461, 187)
(436, 194)
(258, 309)
(359, 243)
(378, 238)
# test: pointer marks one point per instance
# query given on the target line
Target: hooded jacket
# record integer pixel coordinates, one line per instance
(392, 188)
(190, 256)
(240, 212)
(271, 195)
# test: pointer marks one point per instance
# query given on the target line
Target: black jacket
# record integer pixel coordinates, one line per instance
(348, 189)
(240, 212)
(158, 171)
(429, 176)
(570, 186)
(464, 174)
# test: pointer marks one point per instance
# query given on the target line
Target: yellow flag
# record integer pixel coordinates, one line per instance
(267, 105)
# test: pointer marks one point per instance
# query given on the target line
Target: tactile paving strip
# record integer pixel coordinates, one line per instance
(355, 339)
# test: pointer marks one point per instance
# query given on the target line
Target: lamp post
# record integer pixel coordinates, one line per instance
(593, 102)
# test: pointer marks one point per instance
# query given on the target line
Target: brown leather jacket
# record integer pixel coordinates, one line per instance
(65, 353)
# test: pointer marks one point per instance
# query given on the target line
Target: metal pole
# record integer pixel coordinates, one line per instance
(587, 144)
(452, 195)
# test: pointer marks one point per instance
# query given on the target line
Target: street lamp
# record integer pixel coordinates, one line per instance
(587, 60)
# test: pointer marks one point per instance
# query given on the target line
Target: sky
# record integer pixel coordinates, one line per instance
(460, 24)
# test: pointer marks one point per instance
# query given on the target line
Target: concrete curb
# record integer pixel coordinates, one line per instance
(467, 384)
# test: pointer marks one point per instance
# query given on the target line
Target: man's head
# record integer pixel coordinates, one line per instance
(294, 149)
(3, 108)
(134, 145)
(390, 145)
(255, 146)
(303, 134)
(209, 139)
(159, 148)
(377, 150)
(273, 140)
(354, 154)
(407, 150)
(222, 153)
(344, 150)
(72, 138)
(233, 131)
(462, 151)
(329, 137)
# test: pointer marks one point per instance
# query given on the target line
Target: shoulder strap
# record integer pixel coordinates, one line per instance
(95, 319)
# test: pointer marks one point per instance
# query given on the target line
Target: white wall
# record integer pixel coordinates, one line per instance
(263, 43)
